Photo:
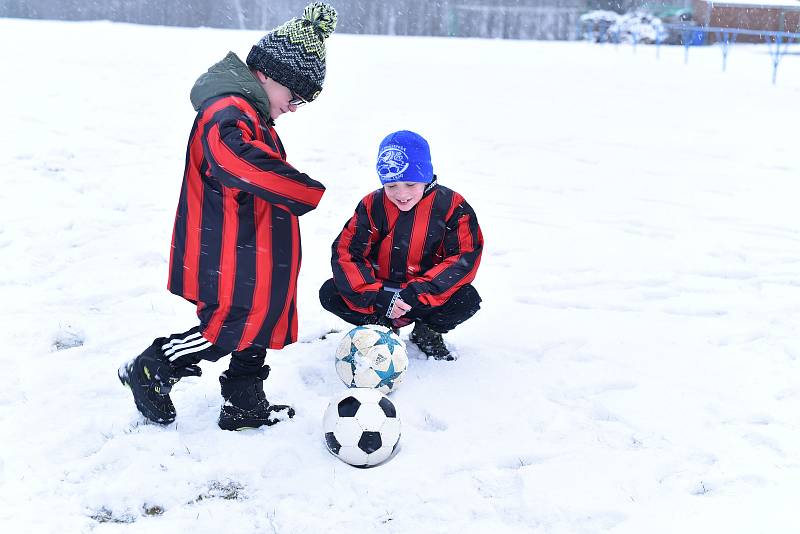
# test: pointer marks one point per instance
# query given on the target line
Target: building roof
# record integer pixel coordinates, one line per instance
(790, 5)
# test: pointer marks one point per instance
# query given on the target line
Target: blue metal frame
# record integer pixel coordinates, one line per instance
(777, 41)
(726, 39)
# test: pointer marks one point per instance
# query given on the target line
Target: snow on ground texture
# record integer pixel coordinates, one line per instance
(634, 367)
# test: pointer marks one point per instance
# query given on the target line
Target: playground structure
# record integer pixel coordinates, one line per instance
(778, 42)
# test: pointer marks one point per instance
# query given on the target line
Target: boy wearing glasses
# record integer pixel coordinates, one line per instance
(236, 239)
(409, 253)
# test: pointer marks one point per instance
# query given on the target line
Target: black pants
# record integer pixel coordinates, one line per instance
(461, 306)
(190, 347)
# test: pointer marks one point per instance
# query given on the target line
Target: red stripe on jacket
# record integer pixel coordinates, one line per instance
(350, 266)
(419, 232)
(194, 214)
(385, 248)
(466, 244)
(266, 180)
(261, 296)
(283, 325)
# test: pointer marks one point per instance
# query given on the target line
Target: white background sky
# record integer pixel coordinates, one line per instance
(635, 364)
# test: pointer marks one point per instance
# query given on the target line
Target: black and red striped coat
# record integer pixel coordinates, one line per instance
(429, 252)
(236, 241)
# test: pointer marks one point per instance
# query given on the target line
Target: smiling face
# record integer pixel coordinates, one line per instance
(404, 195)
(279, 96)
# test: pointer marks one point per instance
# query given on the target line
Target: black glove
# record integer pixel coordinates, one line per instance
(384, 299)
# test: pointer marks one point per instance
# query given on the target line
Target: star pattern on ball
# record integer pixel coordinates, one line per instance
(351, 359)
(389, 339)
(352, 333)
(388, 376)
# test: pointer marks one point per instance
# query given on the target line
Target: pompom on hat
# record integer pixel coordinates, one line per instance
(293, 54)
(404, 156)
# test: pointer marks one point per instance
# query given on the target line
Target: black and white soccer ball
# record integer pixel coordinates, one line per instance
(371, 356)
(361, 427)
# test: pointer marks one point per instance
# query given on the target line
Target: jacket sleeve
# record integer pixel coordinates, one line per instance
(239, 160)
(353, 274)
(462, 248)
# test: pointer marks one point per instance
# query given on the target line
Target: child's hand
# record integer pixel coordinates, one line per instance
(399, 309)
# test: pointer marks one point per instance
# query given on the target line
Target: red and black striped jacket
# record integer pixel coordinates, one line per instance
(429, 252)
(236, 241)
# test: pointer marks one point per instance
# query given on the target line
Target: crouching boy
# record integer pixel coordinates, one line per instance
(409, 253)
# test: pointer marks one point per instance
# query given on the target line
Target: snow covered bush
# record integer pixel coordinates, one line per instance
(595, 25)
(636, 26)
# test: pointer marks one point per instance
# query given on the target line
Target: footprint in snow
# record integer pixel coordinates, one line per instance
(68, 337)
(434, 424)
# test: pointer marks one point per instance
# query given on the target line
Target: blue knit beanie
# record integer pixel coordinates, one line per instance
(404, 157)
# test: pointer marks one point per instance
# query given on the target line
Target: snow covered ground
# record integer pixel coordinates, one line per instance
(635, 364)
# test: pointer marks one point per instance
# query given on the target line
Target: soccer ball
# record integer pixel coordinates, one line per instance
(371, 356)
(361, 427)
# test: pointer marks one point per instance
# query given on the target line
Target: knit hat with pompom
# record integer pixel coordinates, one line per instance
(293, 54)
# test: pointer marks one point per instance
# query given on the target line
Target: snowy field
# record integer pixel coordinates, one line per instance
(635, 366)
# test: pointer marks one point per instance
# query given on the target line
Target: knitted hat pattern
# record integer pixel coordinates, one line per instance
(293, 54)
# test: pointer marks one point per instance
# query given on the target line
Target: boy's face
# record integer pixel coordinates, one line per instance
(404, 195)
(279, 96)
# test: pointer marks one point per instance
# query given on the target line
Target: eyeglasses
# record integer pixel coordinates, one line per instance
(297, 100)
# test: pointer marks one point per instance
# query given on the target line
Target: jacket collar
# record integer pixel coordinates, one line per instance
(431, 186)
(230, 76)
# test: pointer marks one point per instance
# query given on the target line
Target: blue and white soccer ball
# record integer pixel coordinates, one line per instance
(361, 427)
(371, 356)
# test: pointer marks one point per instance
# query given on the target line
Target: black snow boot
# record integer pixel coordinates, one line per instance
(246, 405)
(150, 376)
(430, 342)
